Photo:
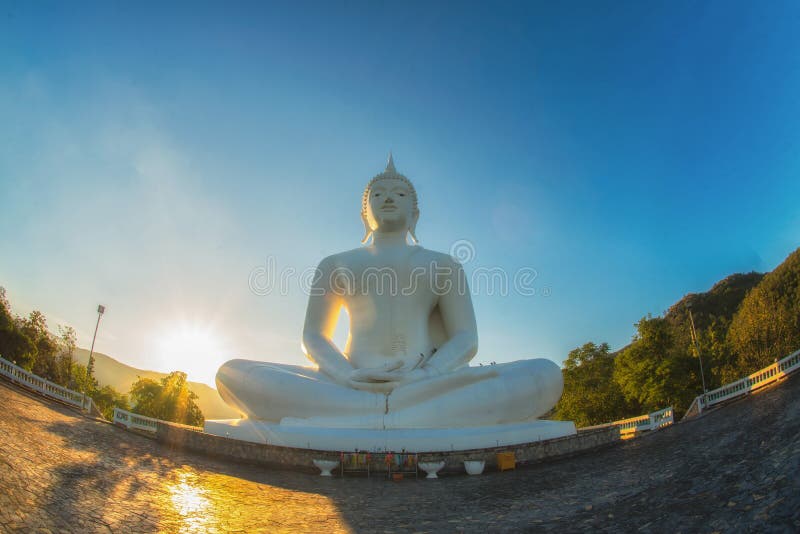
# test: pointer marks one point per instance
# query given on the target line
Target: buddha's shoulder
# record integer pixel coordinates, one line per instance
(362, 255)
(440, 258)
(344, 259)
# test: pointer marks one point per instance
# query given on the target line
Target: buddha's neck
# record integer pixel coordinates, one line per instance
(389, 239)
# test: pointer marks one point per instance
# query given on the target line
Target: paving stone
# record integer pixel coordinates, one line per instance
(734, 469)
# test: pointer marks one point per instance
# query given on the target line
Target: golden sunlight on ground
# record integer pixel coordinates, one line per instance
(196, 501)
(64, 472)
(193, 348)
(191, 503)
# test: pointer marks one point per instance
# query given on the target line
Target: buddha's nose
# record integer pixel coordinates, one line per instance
(389, 200)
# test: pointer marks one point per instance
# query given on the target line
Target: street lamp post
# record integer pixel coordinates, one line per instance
(90, 366)
(697, 349)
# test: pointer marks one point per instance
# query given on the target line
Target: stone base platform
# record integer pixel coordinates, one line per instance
(376, 440)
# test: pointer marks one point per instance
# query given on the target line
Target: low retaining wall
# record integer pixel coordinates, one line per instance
(186, 438)
(529, 453)
(42, 386)
(744, 386)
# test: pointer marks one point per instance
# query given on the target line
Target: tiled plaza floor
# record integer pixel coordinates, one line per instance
(736, 469)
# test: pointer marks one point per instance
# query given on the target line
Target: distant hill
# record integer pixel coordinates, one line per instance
(121, 377)
(720, 302)
(717, 306)
(743, 323)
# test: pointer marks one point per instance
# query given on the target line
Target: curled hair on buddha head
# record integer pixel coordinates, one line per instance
(389, 173)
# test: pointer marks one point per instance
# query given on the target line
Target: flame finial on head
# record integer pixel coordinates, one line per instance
(390, 164)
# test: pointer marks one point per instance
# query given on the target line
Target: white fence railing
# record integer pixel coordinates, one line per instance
(19, 375)
(133, 420)
(650, 421)
(743, 386)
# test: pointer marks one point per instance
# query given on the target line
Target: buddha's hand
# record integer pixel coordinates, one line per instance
(406, 376)
(382, 373)
(388, 380)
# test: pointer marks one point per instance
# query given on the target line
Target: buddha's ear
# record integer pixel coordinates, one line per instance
(367, 229)
(413, 228)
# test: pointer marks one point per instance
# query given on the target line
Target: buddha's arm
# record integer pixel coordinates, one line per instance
(459, 323)
(322, 314)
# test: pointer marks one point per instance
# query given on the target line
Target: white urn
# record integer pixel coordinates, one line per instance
(431, 468)
(326, 466)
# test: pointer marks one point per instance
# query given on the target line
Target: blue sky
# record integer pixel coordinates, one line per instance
(152, 156)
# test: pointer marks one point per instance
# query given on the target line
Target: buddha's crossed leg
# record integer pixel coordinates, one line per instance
(470, 396)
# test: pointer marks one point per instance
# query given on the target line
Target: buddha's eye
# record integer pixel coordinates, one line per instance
(401, 194)
(377, 194)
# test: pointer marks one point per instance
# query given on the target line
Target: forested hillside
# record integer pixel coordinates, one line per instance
(743, 323)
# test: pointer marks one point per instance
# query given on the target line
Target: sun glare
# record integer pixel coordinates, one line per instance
(194, 349)
(191, 502)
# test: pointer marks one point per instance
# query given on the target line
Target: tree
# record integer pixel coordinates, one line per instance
(82, 381)
(713, 312)
(654, 372)
(767, 325)
(45, 363)
(108, 398)
(168, 399)
(591, 396)
(67, 341)
(14, 344)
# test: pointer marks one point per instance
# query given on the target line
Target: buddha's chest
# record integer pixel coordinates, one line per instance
(406, 278)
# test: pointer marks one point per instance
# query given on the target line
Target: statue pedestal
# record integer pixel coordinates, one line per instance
(396, 439)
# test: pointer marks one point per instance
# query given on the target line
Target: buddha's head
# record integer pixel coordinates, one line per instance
(389, 204)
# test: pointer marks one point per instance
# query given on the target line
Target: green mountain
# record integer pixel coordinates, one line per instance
(110, 372)
(713, 313)
(720, 302)
(766, 326)
(744, 323)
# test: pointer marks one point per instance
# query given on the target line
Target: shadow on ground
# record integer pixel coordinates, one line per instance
(735, 468)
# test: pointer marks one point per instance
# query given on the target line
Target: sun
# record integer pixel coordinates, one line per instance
(194, 349)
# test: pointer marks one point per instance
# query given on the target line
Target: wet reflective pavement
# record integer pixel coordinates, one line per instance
(734, 469)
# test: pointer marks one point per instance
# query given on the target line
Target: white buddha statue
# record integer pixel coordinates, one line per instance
(406, 361)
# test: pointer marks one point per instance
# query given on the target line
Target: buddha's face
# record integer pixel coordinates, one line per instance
(391, 206)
